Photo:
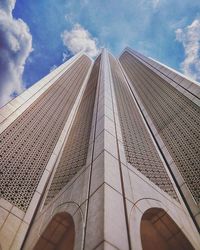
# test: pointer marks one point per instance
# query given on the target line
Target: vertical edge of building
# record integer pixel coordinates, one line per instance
(33, 127)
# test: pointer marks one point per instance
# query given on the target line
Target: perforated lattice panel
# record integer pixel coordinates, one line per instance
(75, 151)
(27, 144)
(139, 148)
(176, 118)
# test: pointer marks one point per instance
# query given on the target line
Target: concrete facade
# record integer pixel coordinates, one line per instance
(173, 120)
(107, 183)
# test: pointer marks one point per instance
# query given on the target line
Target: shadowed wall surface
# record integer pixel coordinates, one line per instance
(58, 235)
(160, 232)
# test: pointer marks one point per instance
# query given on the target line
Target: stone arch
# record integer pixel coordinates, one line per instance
(159, 231)
(59, 233)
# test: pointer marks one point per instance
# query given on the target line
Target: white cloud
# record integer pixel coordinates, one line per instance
(69, 18)
(190, 38)
(16, 45)
(65, 56)
(79, 39)
(53, 67)
(155, 3)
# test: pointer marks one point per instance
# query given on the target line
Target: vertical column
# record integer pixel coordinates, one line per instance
(106, 223)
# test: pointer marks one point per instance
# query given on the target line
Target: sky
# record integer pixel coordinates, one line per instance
(36, 36)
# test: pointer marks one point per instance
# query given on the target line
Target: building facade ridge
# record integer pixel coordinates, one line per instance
(102, 154)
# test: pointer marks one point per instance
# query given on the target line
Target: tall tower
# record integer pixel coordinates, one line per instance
(102, 155)
(170, 104)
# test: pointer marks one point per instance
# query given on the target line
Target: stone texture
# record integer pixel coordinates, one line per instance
(113, 179)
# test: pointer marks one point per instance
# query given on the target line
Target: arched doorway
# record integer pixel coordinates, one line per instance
(58, 235)
(160, 232)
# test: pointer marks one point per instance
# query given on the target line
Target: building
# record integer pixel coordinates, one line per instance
(102, 155)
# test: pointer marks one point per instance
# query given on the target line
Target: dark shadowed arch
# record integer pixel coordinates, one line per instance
(58, 235)
(160, 232)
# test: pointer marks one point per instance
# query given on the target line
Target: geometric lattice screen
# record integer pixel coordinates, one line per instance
(139, 148)
(75, 150)
(175, 116)
(27, 144)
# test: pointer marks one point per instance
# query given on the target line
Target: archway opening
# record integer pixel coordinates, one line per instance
(160, 232)
(58, 235)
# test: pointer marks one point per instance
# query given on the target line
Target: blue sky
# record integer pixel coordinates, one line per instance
(39, 35)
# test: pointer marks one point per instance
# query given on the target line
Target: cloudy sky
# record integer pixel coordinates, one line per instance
(37, 36)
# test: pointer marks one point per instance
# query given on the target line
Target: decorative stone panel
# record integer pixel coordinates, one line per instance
(139, 148)
(176, 117)
(75, 151)
(27, 144)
